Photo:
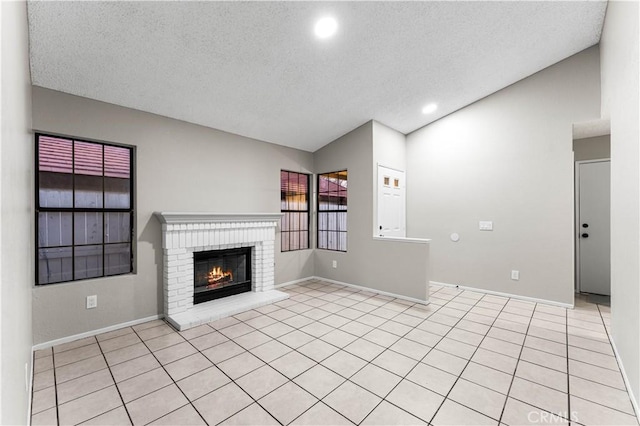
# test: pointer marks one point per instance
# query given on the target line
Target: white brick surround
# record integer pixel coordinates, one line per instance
(186, 233)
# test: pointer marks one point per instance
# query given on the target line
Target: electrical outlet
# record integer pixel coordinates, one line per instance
(92, 301)
(335, 264)
(515, 275)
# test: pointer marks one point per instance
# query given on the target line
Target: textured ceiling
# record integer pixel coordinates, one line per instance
(256, 69)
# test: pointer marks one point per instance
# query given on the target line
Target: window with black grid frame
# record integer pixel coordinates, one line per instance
(294, 205)
(84, 209)
(332, 211)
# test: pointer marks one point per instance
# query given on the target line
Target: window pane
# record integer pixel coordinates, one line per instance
(117, 259)
(56, 190)
(284, 189)
(88, 174)
(284, 241)
(117, 183)
(332, 210)
(304, 240)
(54, 229)
(88, 262)
(294, 203)
(294, 240)
(88, 191)
(322, 239)
(88, 228)
(342, 243)
(342, 221)
(332, 240)
(332, 225)
(54, 265)
(117, 227)
(295, 221)
(322, 221)
(55, 167)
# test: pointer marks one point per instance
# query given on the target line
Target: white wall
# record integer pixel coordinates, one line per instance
(394, 267)
(506, 158)
(620, 87)
(179, 167)
(16, 218)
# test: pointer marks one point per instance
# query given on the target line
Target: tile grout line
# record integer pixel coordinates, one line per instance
(387, 348)
(347, 379)
(421, 359)
(633, 406)
(446, 397)
(276, 338)
(115, 384)
(515, 370)
(55, 385)
(189, 402)
(350, 320)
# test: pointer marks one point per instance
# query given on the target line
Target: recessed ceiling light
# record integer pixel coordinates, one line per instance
(428, 109)
(326, 27)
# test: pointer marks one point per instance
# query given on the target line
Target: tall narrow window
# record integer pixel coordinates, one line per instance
(332, 211)
(294, 204)
(84, 209)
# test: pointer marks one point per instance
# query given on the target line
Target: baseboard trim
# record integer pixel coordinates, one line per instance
(294, 282)
(513, 296)
(373, 290)
(67, 339)
(625, 378)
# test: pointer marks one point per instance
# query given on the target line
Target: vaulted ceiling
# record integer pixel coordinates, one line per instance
(257, 69)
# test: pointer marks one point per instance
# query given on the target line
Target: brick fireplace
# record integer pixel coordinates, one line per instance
(184, 234)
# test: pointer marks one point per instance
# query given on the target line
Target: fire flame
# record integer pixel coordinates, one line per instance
(217, 274)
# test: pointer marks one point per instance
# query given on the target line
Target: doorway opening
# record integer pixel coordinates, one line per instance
(592, 218)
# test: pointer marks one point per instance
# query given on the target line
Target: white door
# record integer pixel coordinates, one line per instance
(391, 203)
(593, 227)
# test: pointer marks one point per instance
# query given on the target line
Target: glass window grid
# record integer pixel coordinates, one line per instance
(72, 246)
(294, 205)
(332, 211)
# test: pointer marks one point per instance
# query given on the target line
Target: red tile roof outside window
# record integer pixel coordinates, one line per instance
(56, 155)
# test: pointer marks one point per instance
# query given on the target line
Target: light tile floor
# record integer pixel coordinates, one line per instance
(333, 355)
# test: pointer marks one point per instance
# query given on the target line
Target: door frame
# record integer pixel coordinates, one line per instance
(576, 216)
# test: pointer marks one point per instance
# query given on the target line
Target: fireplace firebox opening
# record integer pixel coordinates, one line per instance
(221, 273)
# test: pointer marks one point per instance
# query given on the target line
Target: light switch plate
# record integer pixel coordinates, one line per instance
(486, 225)
(515, 275)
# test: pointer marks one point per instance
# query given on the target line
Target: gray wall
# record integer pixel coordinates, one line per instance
(620, 74)
(16, 249)
(180, 167)
(399, 268)
(506, 158)
(594, 148)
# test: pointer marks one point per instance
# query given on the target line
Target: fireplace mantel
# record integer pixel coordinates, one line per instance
(185, 233)
(173, 218)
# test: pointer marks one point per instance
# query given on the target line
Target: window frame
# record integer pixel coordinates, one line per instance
(319, 211)
(73, 210)
(307, 211)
